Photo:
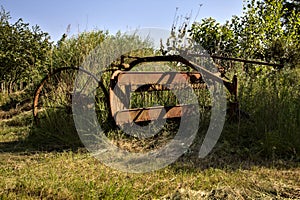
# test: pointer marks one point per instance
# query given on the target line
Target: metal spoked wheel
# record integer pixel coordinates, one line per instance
(52, 101)
(53, 94)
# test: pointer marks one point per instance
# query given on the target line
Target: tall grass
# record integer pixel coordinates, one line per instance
(272, 100)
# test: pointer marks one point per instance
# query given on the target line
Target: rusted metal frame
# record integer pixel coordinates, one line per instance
(139, 86)
(168, 58)
(136, 77)
(178, 58)
(158, 112)
(230, 86)
(142, 114)
(133, 81)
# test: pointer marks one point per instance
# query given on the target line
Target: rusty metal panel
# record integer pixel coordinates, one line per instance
(153, 113)
(141, 78)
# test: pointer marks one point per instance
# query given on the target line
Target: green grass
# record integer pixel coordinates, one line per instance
(272, 100)
(75, 175)
(29, 172)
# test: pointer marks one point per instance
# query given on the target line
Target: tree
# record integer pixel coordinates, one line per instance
(23, 51)
(268, 30)
(217, 39)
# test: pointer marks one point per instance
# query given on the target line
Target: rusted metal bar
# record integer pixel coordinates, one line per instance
(178, 58)
(158, 87)
(167, 78)
(153, 113)
(248, 61)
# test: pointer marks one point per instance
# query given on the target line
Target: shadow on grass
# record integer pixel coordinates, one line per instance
(239, 148)
(219, 158)
(56, 132)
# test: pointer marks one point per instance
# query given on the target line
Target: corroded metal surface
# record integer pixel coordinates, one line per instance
(123, 82)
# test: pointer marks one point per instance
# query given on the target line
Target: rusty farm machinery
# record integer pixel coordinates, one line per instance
(122, 86)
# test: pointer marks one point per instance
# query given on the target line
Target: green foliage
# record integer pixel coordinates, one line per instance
(73, 51)
(290, 7)
(217, 39)
(23, 51)
(55, 115)
(267, 30)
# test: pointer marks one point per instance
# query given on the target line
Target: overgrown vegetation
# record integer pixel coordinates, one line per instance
(259, 147)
